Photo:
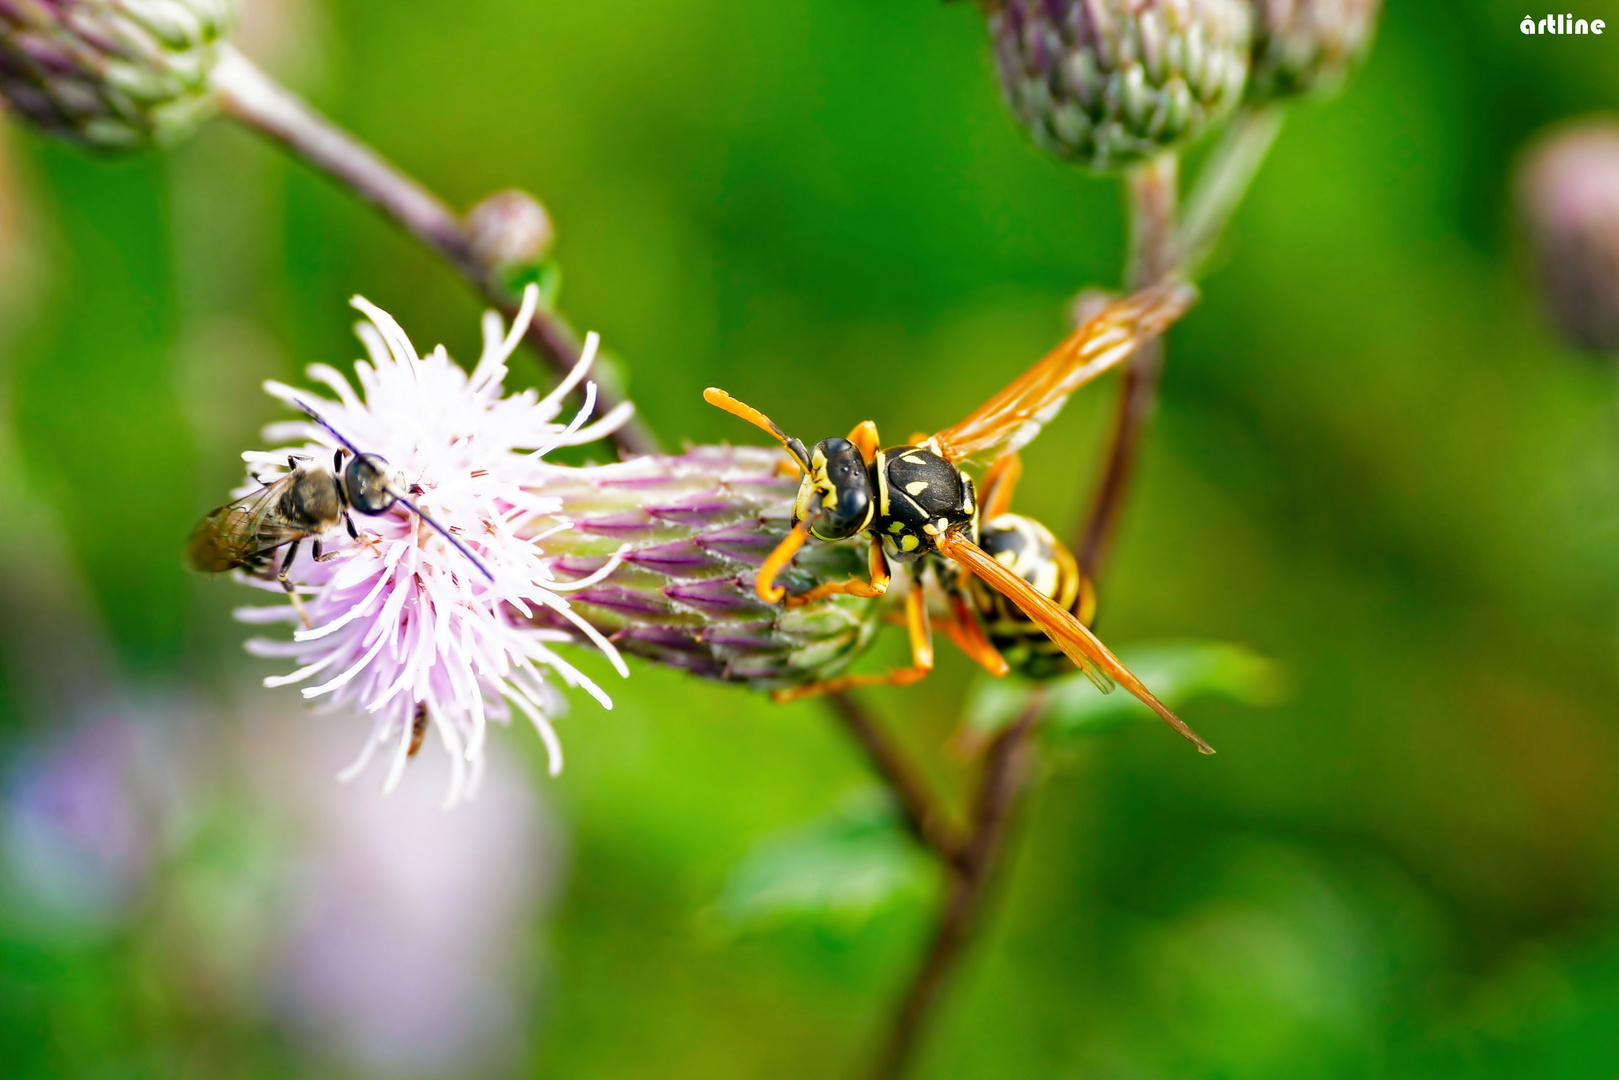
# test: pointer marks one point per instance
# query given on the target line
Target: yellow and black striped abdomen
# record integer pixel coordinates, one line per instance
(1029, 550)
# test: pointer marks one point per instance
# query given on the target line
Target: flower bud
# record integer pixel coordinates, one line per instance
(113, 74)
(1305, 45)
(508, 231)
(692, 531)
(1108, 83)
(1569, 197)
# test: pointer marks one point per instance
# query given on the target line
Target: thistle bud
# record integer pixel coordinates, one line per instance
(113, 74)
(1569, 197)
(1108, 83)
(689, 534)
(1301, 46)
(509, 231)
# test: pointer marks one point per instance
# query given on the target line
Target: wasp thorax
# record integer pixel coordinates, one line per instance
(835, 496)
(368, 484)
(922, 497)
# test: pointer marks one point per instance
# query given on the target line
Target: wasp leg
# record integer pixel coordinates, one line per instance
(969, 637)
(916, 621)
(999, 484)
(286, 583)
(864, 436)
(854, 586)
(765, 583)
(789, 468)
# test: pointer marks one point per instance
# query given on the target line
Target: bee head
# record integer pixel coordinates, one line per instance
(835, 495)
(369, 485)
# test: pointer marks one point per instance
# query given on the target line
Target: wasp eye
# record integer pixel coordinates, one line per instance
(367, 485)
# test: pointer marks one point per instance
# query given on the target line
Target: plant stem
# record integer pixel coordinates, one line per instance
(1224, 181)
(925, 816)
(1153, 195)
(999, 790)
(258, 101)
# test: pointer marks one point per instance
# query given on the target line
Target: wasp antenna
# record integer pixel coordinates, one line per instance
(720, 399)
(442, 531)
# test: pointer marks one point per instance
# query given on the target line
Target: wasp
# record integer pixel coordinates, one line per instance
(916, 504)
(310, 501)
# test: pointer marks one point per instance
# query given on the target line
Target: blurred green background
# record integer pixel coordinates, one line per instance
(1372, 463)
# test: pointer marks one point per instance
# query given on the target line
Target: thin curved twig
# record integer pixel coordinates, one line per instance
(1153, 196)
(994, 806)
(256, 100)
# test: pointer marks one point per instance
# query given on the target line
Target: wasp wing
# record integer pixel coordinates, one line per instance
(1009, 420)
(238, 533)
(1080, 645)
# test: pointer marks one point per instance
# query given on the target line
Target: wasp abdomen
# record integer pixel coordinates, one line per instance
(1029, 550)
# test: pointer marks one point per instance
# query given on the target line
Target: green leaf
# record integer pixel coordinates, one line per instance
(837, 871)
(1178, 672)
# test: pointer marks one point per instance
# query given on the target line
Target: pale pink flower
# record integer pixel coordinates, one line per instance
(401, 617)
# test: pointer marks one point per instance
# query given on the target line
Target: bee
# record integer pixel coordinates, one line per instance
(916, 505)
(311, 500)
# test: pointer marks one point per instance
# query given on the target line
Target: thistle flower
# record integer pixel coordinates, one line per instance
(689, 533)
(655, 556)
(402, 620)
(113, 74)
(1108, 83)
(1301, 46)
(1569, 198)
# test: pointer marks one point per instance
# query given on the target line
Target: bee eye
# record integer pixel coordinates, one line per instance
(366, 483)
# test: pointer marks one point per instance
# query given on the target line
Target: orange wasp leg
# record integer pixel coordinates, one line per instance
(969, 637)
(1000, 482)
(864, 437)
(916, 621)
(765, 584)
(854, 586)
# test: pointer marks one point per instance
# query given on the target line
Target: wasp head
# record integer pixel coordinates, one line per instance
(835, 495)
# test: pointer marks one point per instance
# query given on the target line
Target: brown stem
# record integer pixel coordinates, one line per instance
(1152, 189)
(258, 101)
(925, 816)
(1001, 784)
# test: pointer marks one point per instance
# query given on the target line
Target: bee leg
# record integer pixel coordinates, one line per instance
(854, 586)
(418, 730)
(286, 583)
(864, 436)
(337, 463)
(916, 621)
(348, 523)
(999, 484)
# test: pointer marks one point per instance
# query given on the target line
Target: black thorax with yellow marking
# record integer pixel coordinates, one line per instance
(920, 497)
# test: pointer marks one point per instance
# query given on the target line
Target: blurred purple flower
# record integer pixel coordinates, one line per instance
(402, 959)
(78, 839)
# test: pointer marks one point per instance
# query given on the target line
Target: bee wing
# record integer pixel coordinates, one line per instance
(238, 532)
(1080, 645)
(1012, 418)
